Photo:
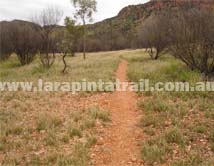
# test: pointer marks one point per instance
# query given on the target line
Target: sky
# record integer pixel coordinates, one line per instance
(25, 9)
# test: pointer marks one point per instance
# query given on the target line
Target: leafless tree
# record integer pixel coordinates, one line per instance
(25, 42)
(65, 49)
(191, 35)
(65, 46)
(5, 43)
(153, 35)
(48, 20)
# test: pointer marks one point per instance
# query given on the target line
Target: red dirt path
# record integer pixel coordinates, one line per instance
(118, 144)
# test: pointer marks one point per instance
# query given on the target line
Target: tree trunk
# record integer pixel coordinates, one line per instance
(84, 39)
(64, 62)
(157, 54)
(73, 54)
(151, 53)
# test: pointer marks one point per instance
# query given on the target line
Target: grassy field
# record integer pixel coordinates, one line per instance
(52, 128)
(178, 125)
(46, 136)
(97, 66)
(59, 128)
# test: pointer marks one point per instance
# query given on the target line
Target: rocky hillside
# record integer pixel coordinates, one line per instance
(120, 31)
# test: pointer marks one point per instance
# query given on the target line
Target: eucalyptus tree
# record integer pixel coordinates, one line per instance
(74, 33)
(84, 11)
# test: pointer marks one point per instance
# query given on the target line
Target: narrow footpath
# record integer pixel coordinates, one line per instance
(119, 144)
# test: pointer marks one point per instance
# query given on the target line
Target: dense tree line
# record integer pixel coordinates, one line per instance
(26, 40)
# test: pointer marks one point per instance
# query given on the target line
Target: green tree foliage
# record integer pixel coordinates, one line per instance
(74, 33)
(84, 11)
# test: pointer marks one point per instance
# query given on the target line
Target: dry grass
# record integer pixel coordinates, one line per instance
(96, 66)
(48, 129)
(52, 128)
(58, 128)
(178, 126)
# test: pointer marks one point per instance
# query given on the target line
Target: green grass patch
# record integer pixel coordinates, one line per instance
(96, 66)
(173, 121)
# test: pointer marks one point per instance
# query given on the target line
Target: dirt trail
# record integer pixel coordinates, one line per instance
(118, 145)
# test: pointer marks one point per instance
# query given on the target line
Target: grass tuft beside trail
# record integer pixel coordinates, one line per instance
(178, 126)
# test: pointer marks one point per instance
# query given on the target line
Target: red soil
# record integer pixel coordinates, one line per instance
(118, 144)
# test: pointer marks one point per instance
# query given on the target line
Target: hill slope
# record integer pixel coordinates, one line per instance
(119, 32)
